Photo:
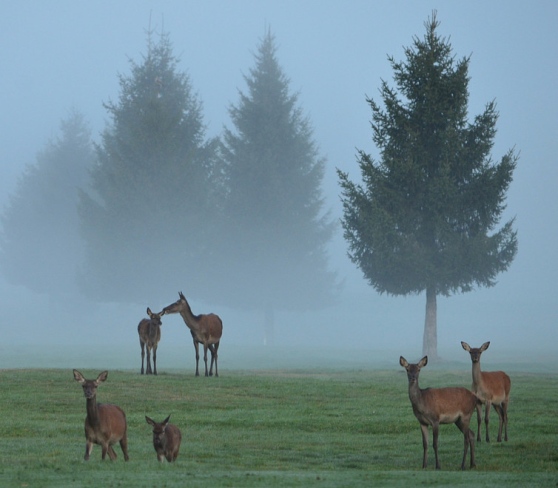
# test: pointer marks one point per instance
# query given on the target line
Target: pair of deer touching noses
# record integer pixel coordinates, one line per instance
(435, 406)
(105, 425)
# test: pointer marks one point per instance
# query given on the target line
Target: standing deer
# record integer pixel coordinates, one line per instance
(205, 329)
(105, 424)
(435, 406)
(166, 439)
(149, 331)
(492, 388)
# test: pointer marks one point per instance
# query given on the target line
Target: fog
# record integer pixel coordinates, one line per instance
(65, 54)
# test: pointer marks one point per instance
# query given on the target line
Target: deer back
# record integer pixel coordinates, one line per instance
(211, 327)
(445, 405)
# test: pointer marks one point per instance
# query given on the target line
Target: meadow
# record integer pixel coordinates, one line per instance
(287, 424)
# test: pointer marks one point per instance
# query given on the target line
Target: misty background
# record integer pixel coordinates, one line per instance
(67, 55)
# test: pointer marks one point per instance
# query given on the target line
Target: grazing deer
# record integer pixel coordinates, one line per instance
(105, 424)
(205, 329)
(149, 331)
(492, 388)
(435, 406)
(166, 439)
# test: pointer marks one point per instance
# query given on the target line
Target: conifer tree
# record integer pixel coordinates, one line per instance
(148, 220)
(425, 216)
(41, 247)
(276, 227)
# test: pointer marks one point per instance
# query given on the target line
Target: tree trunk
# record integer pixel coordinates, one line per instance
(430, 338)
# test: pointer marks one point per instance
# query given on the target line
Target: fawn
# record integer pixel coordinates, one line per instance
(166, 439)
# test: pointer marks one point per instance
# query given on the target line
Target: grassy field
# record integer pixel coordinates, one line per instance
(339, 426)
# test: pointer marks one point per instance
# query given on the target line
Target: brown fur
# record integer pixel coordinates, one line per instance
(166, 439)
(105, 424)
(492, 388)
(205, 329)
(435, 406)
(149, 331)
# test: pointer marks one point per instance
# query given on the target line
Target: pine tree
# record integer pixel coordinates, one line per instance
(277, 231)
(147, 221)
(424, 218)
(41, 247)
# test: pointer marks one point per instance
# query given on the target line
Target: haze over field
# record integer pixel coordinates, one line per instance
(66, 54)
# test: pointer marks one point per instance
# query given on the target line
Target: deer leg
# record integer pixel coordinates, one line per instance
(424, 431)
(212, 351)
(471, 436)
(196, 347)
(500, 413)
(468, 439)
(213, 348)
(88, 449)
(205, 358)
(149, 370)
(124, 447)
(435, 432)
(111, 453)
(479, 421)
(155, 359)
(142, 354)
(486, 417)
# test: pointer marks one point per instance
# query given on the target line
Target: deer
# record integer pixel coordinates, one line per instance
(149, 331)
(166, 439)
(492, 388)
(435, 406)
(206, 329)
(105, 424)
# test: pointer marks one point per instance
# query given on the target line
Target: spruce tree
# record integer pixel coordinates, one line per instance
(276, 227)
(148, 220)
(41, 247)
(425, 216)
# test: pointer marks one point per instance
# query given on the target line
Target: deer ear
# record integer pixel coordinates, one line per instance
(484, 347)
(149, 421)
(465, 346)
(423, 362)
(102, 377)
(78, 376)
(148, 311)
(166, 421)
(403, 362)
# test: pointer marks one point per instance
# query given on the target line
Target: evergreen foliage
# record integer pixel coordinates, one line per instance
(276, 228)
(155, 188)
(424, 218)
(41, 247)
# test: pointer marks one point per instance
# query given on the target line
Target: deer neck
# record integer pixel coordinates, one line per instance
(477, 375)
(189, 318)
(92, 410)
(415, 393)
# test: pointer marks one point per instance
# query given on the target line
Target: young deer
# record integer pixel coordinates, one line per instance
(105, 424)
(149, 331)
(492, 388)
(435, 406)
(166, 439)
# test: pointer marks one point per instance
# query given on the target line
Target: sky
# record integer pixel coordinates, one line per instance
(67, 54)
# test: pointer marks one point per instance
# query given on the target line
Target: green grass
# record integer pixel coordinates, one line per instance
(288, 427)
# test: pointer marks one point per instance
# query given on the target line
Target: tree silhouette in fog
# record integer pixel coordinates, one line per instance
(424, 217)
(276, 230)
(41, 247)
(155, 187)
